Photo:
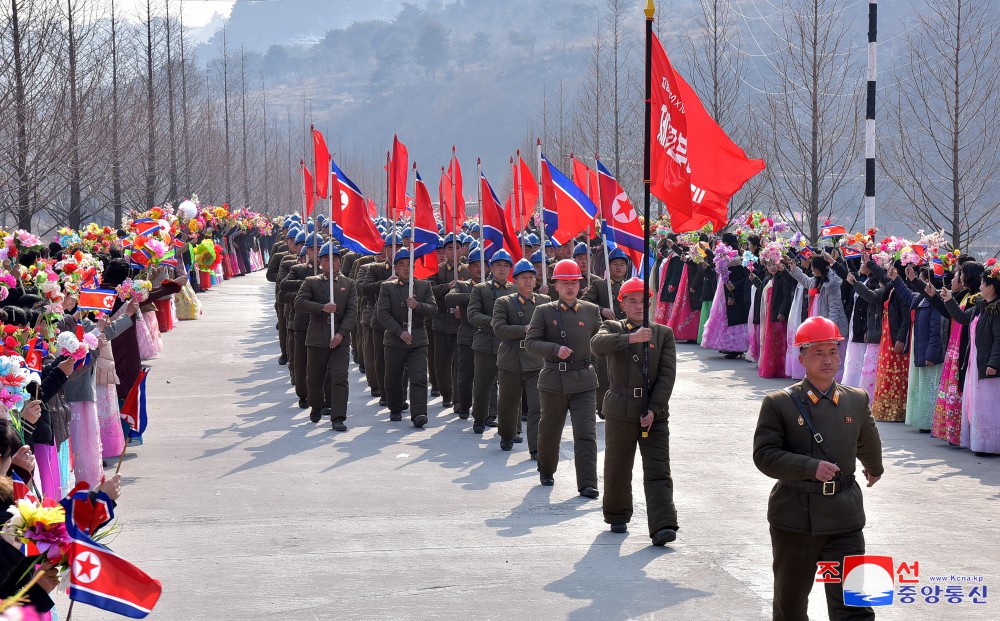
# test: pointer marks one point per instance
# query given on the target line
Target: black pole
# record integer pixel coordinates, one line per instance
(650, 11)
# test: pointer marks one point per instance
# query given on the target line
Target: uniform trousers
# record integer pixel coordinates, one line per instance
(326, 376)
(795, 556)
(444, 350)
(280, 308)
(603, 383)
(582, 410)
(621, 436)
(411, 361)
(378, 349)
(368, 355)
(299, 379)
(510, 384)
(431, 367)
(466, 371)
(484, 387)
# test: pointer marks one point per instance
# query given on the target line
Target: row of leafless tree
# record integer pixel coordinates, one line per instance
(789, 86)
(102, 112)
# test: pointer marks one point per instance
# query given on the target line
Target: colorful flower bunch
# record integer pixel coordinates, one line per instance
(18, 242)
(14, 379)
(97, 238)
(137, 290)
(42, 523)
(76, 348)
(724, 255)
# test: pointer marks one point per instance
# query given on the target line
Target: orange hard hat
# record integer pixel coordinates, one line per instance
(816, 330)
(632, 285)
(567, 269)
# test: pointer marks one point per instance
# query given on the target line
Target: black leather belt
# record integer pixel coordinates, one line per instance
(828, 488)
(567, 366)
(625, 391)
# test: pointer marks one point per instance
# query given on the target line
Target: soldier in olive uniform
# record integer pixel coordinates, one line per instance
(560, 334)
(485, 344)
(403, 349)
(299, 321)
(446, 324)
(328, 351)
(273, 265)
(810, 437)
(637, 414)
(517, 370)
(363, 330)
(370, 286)
(458, 298)
(291, 259)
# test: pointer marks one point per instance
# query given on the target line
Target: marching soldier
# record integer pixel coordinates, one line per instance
(594, 289)
(378, 272)
(293, 257)
(516, 368)
(638, 414)
(273, 266)
(458, 298)
(328, 352)
(404, 349)
(299, 321)
(560, 334)
(446, 324)
(485, 344)
(810, 437)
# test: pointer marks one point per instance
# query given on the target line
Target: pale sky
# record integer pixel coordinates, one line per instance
(197, 13)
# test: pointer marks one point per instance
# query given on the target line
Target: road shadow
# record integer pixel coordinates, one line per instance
(536, 511)
(617, 586)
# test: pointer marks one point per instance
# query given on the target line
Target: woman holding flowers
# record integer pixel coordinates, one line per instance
(726, 329)
(892, 375)
(776, 304)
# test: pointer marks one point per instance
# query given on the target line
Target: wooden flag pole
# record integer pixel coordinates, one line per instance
(482, 231)
(604, 233)
(650, 12)
(541, 225)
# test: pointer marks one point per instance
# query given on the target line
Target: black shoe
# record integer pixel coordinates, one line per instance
(456, 411)
(506, 445)
(282, 359)
(303, 404)
(464, 415)
(338, 425)
(382, 403)
(664, 536)
(600, 414)
(406, 405)
(324, 412)
(491, 421)
(435, 392)
(478, 429)
(375, 393)
(315, 414)
(732, 355)
(533, 456)
(517, 440)
(590, 492)
(361, 370)
(446, 404)
(395, 416)
(419, 421)
(546, 481)
(619, 528)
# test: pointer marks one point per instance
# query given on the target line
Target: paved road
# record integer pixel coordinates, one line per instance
(246, 510)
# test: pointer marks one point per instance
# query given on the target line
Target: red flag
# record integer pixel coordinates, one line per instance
(425, 237)
(510, 240)
(372, 209)
(586, 180)
(445, 199)
(669, 167)
(322, 155)
(310, 189)
(455, 173)
(398, 176)
(101, 578)
(525, 190)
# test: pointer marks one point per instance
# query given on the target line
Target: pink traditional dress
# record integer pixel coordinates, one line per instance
(774, 342)
(682, 319)
(108, 416)
(947, 424)
(891, 379)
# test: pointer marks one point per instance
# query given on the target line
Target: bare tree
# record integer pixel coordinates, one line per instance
(243, 124)
(150, 188)
(172, 170)
(223, 64)
(945, 159)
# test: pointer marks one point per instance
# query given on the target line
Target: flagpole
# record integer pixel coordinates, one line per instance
(454, 210)
(388, 209)
(650, 11)
(482, 231)
(413, 223)
(305, 196)
(517, 200)
(541, 227)
(604, 233)
(312, 131)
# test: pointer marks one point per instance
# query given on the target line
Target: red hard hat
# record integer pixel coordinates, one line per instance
(567, 269)
(632, 285)
(816, 330)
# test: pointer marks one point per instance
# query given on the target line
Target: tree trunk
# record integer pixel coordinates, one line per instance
(172, 187)
(21, 120)
(116, 173)
(150, 200)
(74, 216)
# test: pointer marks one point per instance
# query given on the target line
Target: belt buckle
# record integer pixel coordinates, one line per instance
(563, 367)
(832, 488)
(522, 344)
(637, 393)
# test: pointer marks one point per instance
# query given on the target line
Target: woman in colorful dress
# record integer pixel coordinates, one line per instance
(798, 313)
(685, 314)
(927, 346)
(981, 393)
(855, 356)
(756, 277)
(871, 294)
(776, 304)
(726, 329)
(892, 374)
(671, 268)
(947, 423)
(825, 297)
(709, 280)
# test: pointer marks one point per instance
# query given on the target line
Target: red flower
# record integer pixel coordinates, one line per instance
(9, 329)
(826, 222)
(991, 262)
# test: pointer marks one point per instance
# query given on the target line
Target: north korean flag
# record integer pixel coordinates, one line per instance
(832, 231)
(619, 218)
(424, 236)
(145, 226)
(355, 228)
(102, 300)
(566, 208)
(495, 231)
(134, 408)
(102, 579)
(34, 352)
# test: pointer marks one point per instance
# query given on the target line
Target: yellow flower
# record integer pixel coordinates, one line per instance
(31, 513)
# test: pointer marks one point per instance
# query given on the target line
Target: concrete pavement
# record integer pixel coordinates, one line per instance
(246, 510)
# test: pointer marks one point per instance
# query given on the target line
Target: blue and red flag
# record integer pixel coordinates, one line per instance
(938, 266)
(354, 228)
(830, 231)
(425, 237)
(134, 408)
(139, 259)
(619, 219)
(98, 576)
(145, 226)
(34, 352)
(567, 210)
(850, 252)
(102, 300)
(495, 233)
(23, 492)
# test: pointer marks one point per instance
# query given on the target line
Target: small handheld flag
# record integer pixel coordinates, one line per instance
(101, 300)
